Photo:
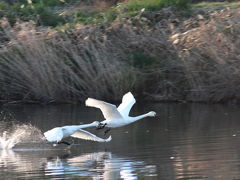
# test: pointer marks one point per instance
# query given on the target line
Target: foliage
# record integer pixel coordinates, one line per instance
(88, 18)
(217, 5)
(45, 12)
(154, 5)
(161, 54)
(38, 11)
(140, 60)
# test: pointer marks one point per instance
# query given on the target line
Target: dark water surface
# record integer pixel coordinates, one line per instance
(186, 141)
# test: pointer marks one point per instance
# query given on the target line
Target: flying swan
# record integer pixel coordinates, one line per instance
(58, 133)
(117, 117)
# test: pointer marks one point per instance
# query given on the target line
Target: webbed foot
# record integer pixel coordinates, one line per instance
(64, 142)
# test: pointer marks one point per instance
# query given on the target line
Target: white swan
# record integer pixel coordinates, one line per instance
(58, 133)
(117, 117)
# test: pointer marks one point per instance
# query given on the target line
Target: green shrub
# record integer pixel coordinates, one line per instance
(154, 5)
(38, 11)
(141, 60)
(110, 15)
(87, 18)
(47, 18)
(51, 3)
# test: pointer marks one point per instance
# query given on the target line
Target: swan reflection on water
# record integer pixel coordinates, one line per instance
(61, 163)
(99, 165)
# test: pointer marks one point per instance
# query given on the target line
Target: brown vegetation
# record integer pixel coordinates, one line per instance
(210, 53)
(158, 55)
(62, 67)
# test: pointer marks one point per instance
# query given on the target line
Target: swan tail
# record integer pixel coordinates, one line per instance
(54, 135)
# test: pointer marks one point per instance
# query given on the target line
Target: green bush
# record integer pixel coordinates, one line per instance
(154, 5)
(38, 11)
(87, 18)
(43, 12)
(141, 60)
(51, 3)
(47, 18)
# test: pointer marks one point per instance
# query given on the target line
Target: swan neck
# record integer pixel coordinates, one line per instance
(136, 118)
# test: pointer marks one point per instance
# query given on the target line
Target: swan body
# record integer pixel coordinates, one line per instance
(58, 133)
(117, 116)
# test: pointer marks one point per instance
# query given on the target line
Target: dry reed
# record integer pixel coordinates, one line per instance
(195, 59)
(35, 68)
(210, 54)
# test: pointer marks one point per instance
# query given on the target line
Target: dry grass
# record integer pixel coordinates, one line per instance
(210, 54)
(194, 59)
(59, 69)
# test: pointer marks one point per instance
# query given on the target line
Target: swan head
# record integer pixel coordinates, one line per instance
(152, 114)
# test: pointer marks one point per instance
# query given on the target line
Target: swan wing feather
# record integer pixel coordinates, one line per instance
(128, 101)
(82, 134)
(109, 110)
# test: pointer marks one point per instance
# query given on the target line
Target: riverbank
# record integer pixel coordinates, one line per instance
(159, 55)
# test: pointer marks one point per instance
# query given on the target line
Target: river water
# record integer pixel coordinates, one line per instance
(185, 141)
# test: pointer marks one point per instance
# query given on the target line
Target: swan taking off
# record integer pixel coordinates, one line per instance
(58, 133)
(117, 117)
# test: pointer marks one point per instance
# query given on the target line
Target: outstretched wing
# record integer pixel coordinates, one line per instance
(82, 134)
(127, 102)
(109, 111)
(54, 135)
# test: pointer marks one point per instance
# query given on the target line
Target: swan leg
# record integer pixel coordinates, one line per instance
(64, 142)
(105, 132)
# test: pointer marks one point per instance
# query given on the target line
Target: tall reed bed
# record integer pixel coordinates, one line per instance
(210, 54)
(163, 58)
(33, 67)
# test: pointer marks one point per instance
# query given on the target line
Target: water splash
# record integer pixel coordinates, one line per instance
(19, 134)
